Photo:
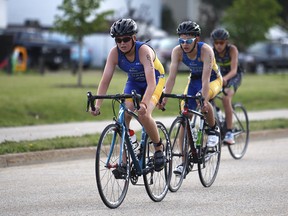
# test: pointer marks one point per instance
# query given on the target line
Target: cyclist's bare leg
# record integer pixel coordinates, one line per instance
(148, 123)
(128, 120)
(227, 103)
(210, 116)
(151, 129)
(150, 126)
(214, 88)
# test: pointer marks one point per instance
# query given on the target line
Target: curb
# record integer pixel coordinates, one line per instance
(39, 157)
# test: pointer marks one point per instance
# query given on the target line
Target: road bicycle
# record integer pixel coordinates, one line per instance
(116, 163)
(240, 127)
(188, 144)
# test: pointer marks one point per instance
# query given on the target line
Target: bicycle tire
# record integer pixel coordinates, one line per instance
(157, 183)
(209, 162)
(241, 132)
(112, 190)
(179, 152)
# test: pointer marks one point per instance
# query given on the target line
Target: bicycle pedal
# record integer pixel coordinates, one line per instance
(120, 173)
(194, 160)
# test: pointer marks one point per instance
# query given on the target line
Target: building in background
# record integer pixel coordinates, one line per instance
(3, 14)
(184, 9)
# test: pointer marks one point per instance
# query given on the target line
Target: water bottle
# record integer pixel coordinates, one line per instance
(194, 134)
(199, 137)
(135, 144)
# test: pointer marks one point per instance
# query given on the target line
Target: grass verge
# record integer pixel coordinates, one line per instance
(32, 99)
(9, 147)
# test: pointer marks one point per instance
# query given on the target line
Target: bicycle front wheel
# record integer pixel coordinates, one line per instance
(209, 162)
(240, 130)
(156, 183)
(112, 184)
(179, 149)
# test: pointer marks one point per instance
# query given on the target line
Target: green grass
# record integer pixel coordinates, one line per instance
(10, 147)
(32, 99)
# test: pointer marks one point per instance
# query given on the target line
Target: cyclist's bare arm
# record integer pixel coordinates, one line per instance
(207, 56)
(106, 78)
(146, 56)
(176, 58)
(234, 64)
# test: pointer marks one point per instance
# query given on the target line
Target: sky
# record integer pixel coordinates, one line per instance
(44, 11)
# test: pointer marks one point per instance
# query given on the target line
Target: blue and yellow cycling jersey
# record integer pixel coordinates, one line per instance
(135, 69)
(195, 82)
(196, 65)
(136, 74)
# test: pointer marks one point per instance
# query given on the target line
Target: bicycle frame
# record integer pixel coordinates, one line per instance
(184, 114)
(121, 164)
(222, 121)
(194, 146)
(120, 121)
(240, 127)
(192, 151)
(125, 136)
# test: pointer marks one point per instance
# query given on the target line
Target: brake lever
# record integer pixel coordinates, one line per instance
(136, 99)
(89, 102)
(160, 101)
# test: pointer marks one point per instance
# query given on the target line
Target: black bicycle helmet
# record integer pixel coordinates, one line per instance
(220, 34)
(189, 27)
(123, 27)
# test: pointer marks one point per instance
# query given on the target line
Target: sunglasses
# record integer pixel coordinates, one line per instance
(188, 41)
(125, 39)
(219, 42)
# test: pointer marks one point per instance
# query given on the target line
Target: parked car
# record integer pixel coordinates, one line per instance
(74, 49)
(265, 56)
(41, 52)
(163, 47)
(75, 57)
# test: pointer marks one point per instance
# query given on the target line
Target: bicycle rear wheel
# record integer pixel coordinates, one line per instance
(240, 130)
(112, 187)
(179, 151)
(209, 162)
(156, 183)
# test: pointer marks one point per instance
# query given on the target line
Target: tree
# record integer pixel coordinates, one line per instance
(79, 19)
(248, 21)
(283, 14)
(167, 20)
(210, 14)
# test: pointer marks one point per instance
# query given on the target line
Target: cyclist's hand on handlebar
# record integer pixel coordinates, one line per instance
(161, 106)
(204, 108)
(96, 112)
(224, 83)
(162, 103)
(142, 110)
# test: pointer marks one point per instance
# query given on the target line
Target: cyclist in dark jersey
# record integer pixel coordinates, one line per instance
(226, 55)
(145, 74)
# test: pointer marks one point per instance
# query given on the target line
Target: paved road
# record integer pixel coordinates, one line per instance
(255, 185)
(79, 129)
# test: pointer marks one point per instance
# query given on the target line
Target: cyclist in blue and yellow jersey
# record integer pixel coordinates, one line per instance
(145, 75)
(227, 59)
(204, 75)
